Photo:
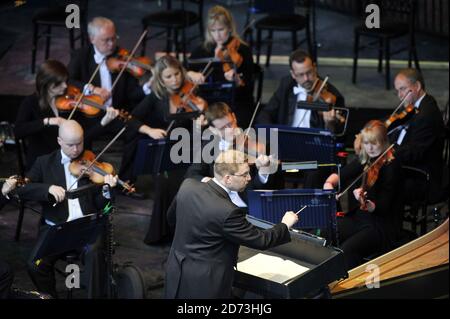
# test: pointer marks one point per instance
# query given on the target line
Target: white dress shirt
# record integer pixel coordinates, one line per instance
(73, 204)
(234, 196)
(302, 117)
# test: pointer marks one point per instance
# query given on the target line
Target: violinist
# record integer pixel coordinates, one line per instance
(39, 118)
(224, 132)
(303, 79)
(83, 62)
(222, 42)
(51, 177)
(420, 140)
(372, 226)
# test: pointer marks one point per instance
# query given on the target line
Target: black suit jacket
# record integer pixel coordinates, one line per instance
(82, 65)
(209, 230)
(47, 171)
(282, 105)
(423, 143)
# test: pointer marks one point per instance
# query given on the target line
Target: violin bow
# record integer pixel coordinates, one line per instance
(98, 156)
(401, 104)
(317, 94)
(366, 169)
(82, 94)
(130, 56)
(247, 130)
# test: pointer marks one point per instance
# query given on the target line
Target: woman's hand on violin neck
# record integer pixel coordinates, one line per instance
(328, 186)
(102, 92)
(111, 114)
(111, 180)
(196, 77)
(57, 192)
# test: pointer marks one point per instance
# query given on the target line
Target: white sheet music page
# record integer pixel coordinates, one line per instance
(271, 268)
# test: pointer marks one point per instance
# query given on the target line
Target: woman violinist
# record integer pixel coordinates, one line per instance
(38, 117)
(222, 42)
(374, 225)
(151, 118)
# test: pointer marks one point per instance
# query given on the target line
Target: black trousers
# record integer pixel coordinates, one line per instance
(358, 237)
(6, 279)
(42, 271)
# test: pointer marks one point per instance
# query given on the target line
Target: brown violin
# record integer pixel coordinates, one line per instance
(90, 105)
(186, 100)
(137, 66)
(97, 171)
(230, 52)
(406, 111)
(371, 175)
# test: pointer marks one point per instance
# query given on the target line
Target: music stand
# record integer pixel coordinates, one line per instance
(71, 235)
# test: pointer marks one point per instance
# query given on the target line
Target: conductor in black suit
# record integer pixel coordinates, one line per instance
(51, 177)
(209, 230)
(282, 107)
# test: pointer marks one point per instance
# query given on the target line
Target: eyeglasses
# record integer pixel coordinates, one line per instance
(246, 174)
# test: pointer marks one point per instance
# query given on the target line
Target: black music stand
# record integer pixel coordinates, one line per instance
(312, 145)
(71, 235)
(320, 212)
(325, 264)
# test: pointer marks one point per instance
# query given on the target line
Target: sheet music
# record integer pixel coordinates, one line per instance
(271, 268)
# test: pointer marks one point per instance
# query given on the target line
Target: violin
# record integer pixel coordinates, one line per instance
(319, 92)
(230, 52)
(137, 66)
(186, 100)
(90, 105)
(249, 145)
(407, 111)
(371, 175)
(97, 171)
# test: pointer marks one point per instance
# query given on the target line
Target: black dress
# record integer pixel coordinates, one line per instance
(362, 233)
(243, 99)
(154, 112)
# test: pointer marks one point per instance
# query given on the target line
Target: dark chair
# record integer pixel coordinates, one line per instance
(280, 17)
(398, 19)
(49, 18)
(174, 21)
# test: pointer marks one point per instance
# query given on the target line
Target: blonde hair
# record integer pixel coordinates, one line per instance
(217, 110)
(164, 62)
(221, 15)
(374, 132)
(228, 162)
